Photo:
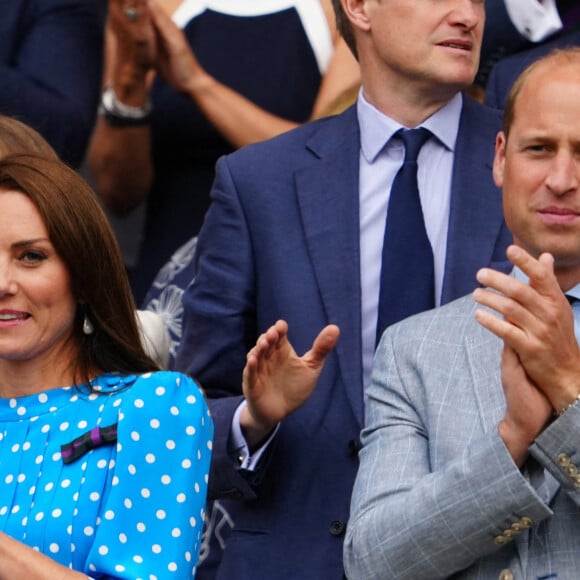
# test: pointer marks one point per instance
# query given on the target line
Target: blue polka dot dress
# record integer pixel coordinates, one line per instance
(110, 484)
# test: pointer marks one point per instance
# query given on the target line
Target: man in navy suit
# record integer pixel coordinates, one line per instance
(295, 232)
(505, 72)
(51, 54)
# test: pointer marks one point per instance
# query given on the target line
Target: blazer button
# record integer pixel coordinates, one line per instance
(564, 459)
(526, 521)
(506, 574)
(337, 528)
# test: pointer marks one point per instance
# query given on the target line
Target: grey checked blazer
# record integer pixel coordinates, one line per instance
(437, 494)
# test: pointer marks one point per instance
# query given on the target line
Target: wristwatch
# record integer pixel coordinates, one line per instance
(121, 115)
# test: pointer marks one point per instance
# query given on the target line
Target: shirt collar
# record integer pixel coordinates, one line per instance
(376, 128)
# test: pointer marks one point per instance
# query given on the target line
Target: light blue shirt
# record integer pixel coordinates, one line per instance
(380, 160)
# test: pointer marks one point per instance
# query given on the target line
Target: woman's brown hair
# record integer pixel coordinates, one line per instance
(16, 137)
(81, 235)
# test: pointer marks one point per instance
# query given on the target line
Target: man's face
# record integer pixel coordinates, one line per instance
(538, 165)
(433, 45)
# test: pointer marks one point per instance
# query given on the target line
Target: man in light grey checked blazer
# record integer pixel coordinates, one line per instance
(470, 466)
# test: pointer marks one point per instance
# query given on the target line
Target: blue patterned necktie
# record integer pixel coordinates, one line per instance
(407, 272)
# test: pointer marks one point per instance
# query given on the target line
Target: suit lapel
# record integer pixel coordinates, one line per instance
(475, 217)
(327, 191)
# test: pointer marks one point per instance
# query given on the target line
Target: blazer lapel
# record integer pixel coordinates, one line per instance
(476, 212)
(327, 191)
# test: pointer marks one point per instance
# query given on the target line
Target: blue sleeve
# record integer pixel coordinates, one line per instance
(153, 515)
(219, 323)
(51, 62)
(219, 305)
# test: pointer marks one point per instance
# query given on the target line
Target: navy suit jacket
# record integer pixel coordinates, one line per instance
(281, 240)
(506, 71)
(51, 54)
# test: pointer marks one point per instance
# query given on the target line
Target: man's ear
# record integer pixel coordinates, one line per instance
(499, 159)
(356, 12)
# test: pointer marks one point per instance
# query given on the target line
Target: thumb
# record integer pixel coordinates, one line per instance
(323, 344)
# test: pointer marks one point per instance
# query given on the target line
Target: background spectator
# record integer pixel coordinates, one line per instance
(512, 26)
(51, 54)
(228, 74)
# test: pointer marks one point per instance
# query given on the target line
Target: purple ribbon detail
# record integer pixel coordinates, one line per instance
(90, 440)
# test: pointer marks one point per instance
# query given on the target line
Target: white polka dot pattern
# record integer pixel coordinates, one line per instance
(133, 509)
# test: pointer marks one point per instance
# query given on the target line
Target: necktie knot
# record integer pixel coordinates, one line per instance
(413, 139)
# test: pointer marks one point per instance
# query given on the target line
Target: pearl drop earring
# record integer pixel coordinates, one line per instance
(88, 327)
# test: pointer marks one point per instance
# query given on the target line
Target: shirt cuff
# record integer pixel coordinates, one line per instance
(534, 19)
(246, 459)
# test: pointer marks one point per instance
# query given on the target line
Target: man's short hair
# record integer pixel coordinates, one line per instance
(344, 26)
(557, 57)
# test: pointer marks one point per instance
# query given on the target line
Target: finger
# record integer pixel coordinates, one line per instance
(250, 371)
(514, 310)
(267, 342)
(281, 327)
(505, 284)
(540, 294)
(531, 266)
(162, 20)
(503, 329)
(539, 271)
(258, 356)
(323, 344)
(274, 338)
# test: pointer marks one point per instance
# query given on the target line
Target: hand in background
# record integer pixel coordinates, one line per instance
(134, 37)
(276, 381)
(174, 59)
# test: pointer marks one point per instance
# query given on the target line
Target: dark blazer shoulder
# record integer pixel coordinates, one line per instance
(478, 128)
(480, 114)
(312, 138)
(506, 71)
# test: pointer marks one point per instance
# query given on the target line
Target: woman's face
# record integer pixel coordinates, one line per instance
(37, 307)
